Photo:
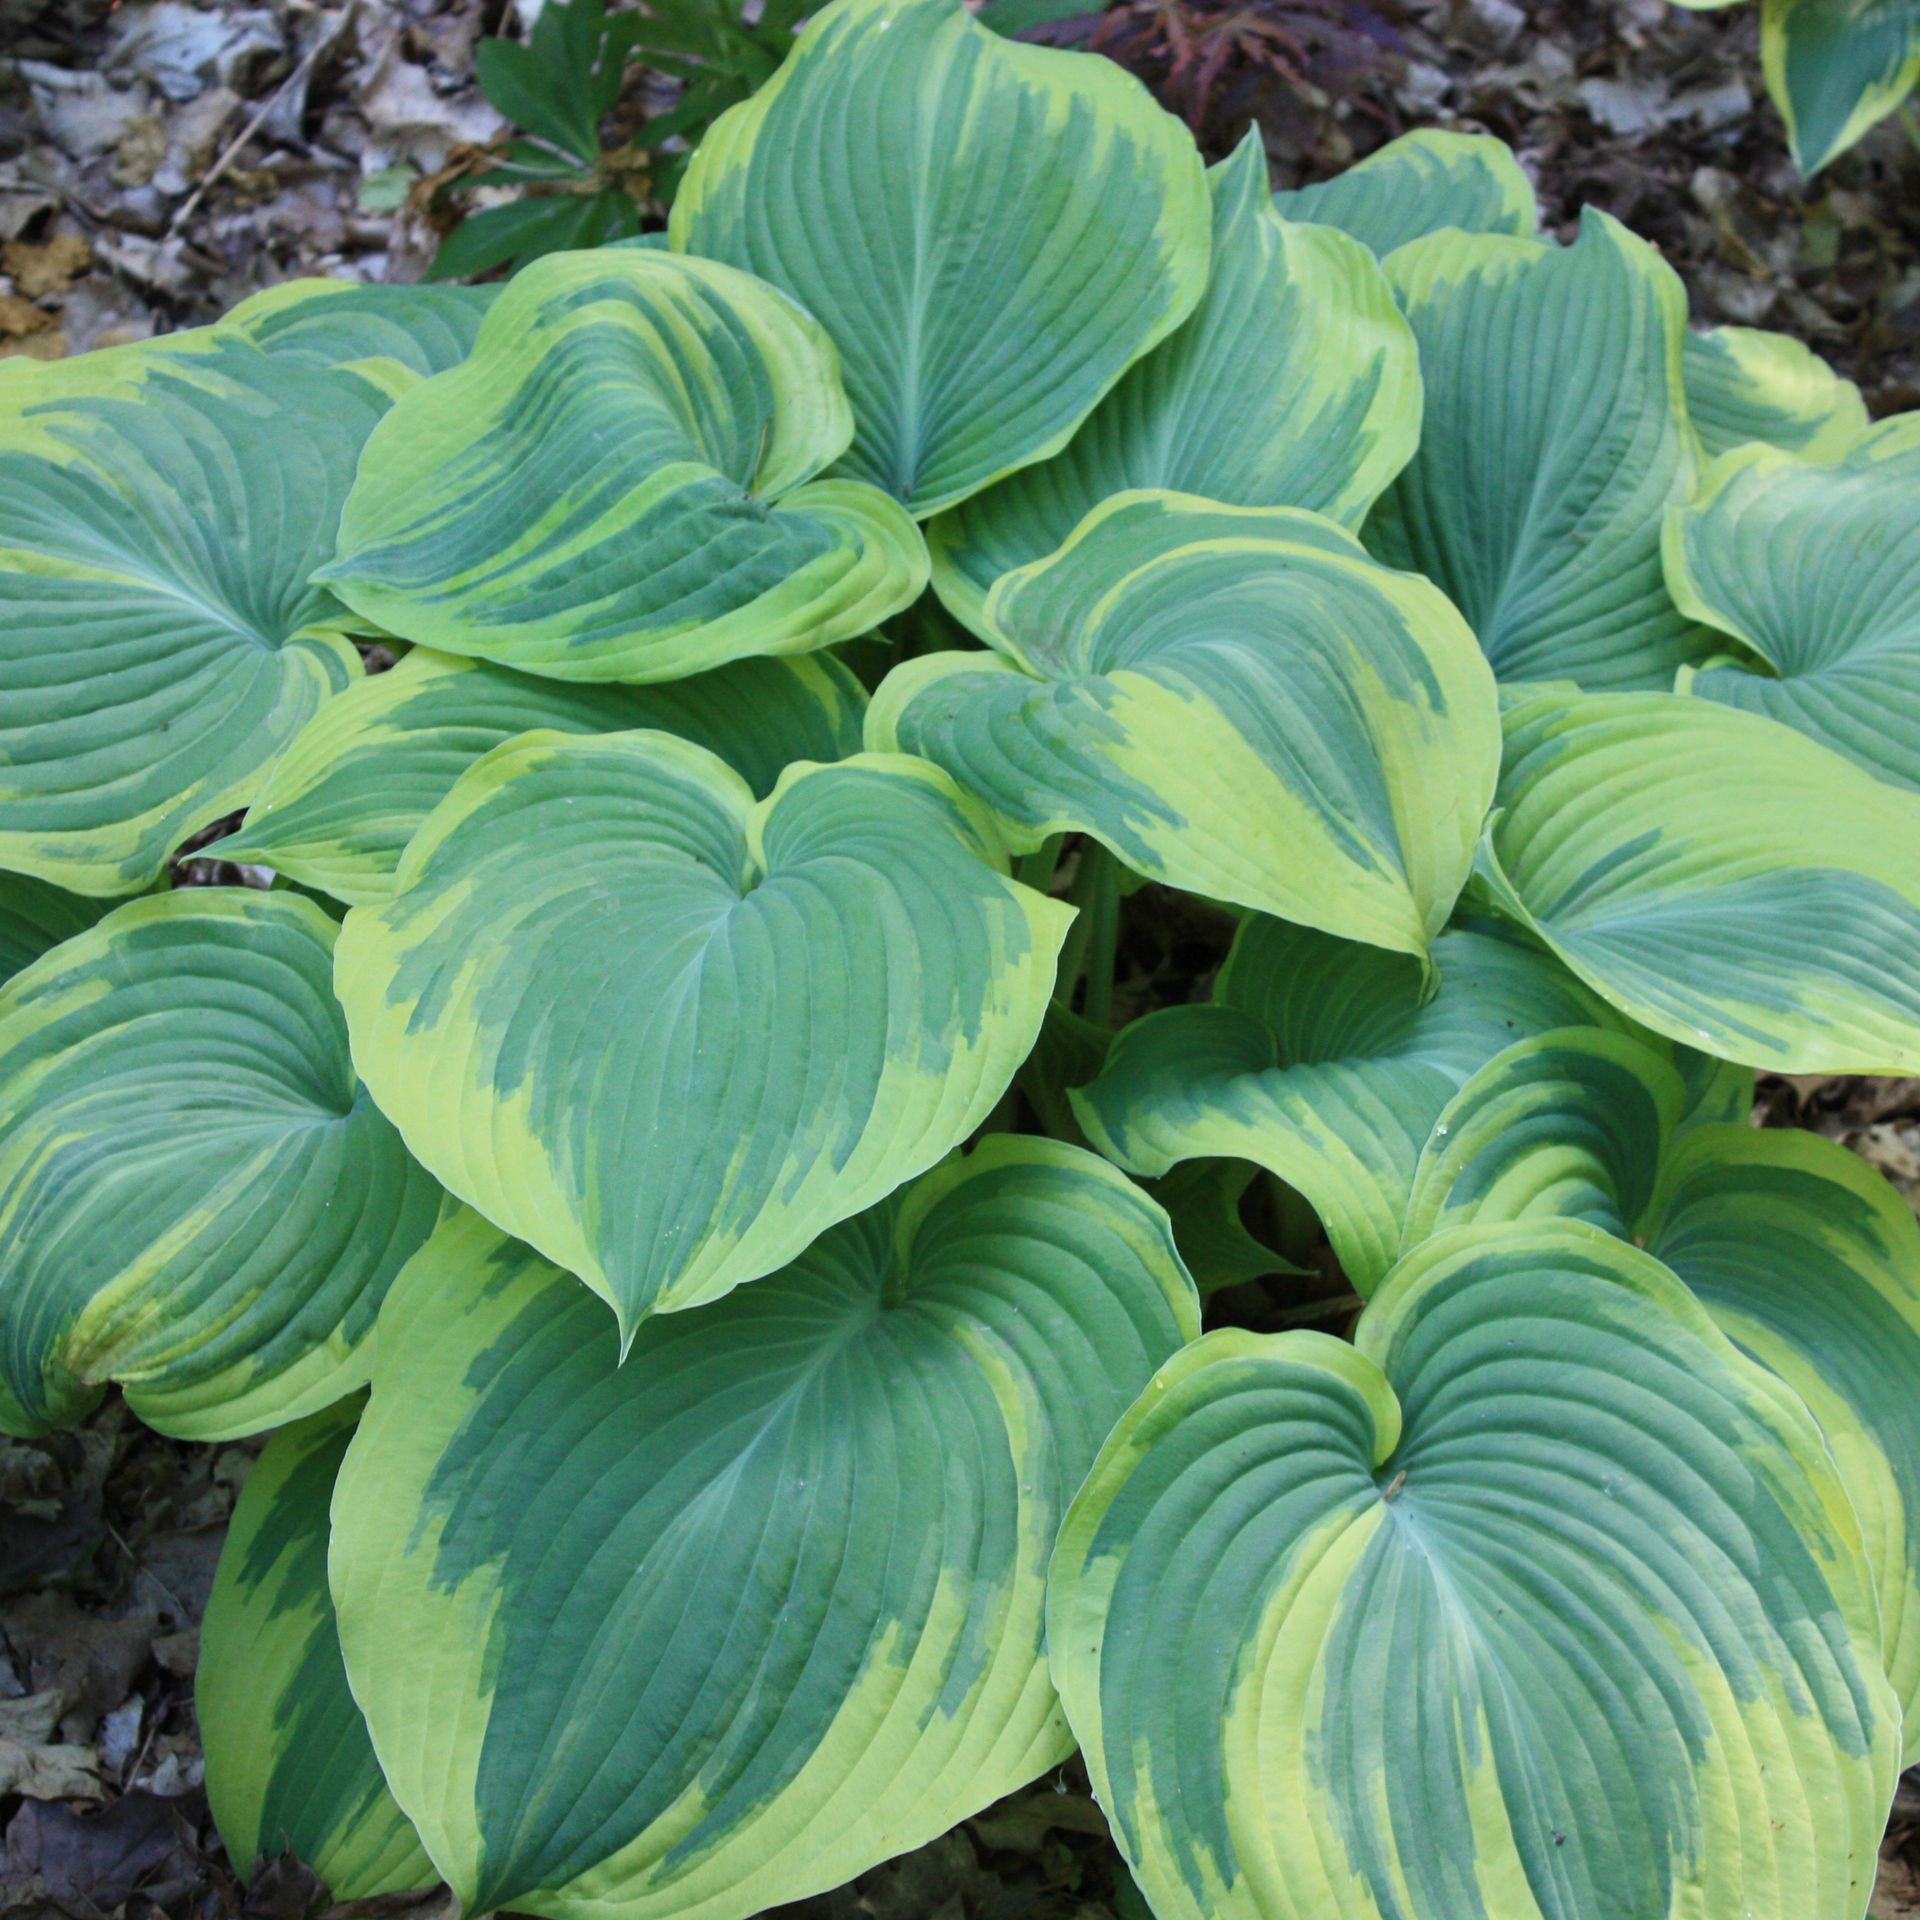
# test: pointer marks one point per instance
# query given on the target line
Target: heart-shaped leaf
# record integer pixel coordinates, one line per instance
(353, 787)
(1800, 1251)
(727, 1624)
(1025, 223)
(1744, 385)
(388, 335)
(1327, 1063)
(1544, 1601)
(611, 485)
(1536, 498)
(1816, 567)
(667, 1035)
(1294, 383)
(197, 1198)
(1238, 702)
(1419, 184)
(162, 509)
(1723, 879)
(35, 915)
(289, 1760)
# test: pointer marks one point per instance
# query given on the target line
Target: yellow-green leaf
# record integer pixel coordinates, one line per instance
(619, 483)
(725, 1624)
(667, 1034)
(991, 232)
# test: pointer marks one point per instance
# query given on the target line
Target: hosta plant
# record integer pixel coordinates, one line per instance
(654, 1139)
(1835, 67)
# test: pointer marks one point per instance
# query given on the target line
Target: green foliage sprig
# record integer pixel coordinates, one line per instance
(669, 1151)
(559, 86)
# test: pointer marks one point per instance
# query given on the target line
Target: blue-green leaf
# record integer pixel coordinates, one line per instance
(290, 1763)
(197, 1198)
(726, 1624)
(1419, 184)
(1294, 383)
(614, 484)
(1555, 440)
(1543, 1602)
(668, 1034)
(991, 232)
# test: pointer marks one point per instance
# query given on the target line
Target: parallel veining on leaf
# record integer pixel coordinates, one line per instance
(1294, 383)
(613, 484)
(1545, 1601)
(1236, 701)
(1815, 565)
(197, 1198)
(162, 510)
(991, 232)
(1721, 878)
(341, 803)
(709, 1630)
(668, 1035)
(1555, 438)
(290, 1765)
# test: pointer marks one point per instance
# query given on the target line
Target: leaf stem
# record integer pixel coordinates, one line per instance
(1036, 869)
(1096, 890)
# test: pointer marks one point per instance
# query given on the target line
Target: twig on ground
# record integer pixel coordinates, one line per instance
(300, 70)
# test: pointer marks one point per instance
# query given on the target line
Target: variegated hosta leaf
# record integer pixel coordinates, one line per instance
(710, 1630)
(1419, 184)
(1570, 1125)
(1812, 1263)
(352, 789)
(1546, 1601)
(1816, 567)
(1327, 1064)
(1800, 1251)
(289, 1760)
(1294, 383)
(1724, 880)
(197, 1198)
(162, 507)
(390, 336)
(612, 485)
(35, 915)
(1745, 385)
(1555, 438)
(1237, 701)
(668, 1035)
(991, 232)
(1835, 67)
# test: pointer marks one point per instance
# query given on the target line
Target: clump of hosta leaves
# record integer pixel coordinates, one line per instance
(656, 1143)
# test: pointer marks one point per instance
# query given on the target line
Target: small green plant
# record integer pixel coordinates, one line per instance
(666, 1153)
(1835, 68)
(560, 86)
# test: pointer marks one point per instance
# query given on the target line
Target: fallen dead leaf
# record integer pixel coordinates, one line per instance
(50, 1489)
(1896, 1895)
(91, 1863)
(19, 318)
(91, 1662)
(34, 1763)
(41, 268)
